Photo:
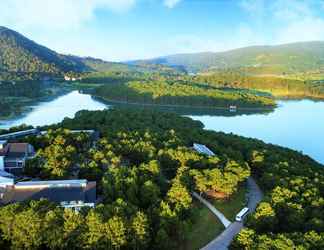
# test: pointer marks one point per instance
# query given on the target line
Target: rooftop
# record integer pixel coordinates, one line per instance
(58, 194)
(56, 183)
(18, 133)
(15, 150)
(200, 148)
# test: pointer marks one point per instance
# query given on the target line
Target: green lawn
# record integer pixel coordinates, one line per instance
(206, 226)
(232, 206)
(204, 230)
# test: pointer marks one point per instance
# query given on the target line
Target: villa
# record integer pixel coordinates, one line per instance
(72, 194)
(13, 156)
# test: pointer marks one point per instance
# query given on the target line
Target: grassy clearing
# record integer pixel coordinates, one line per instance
(204, 230)
(232, 206)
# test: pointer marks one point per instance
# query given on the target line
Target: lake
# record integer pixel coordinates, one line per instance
(54, 111)
(294, 124)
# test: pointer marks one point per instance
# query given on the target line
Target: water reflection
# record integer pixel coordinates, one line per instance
(54, 111)
(190, 111)
(294, 124)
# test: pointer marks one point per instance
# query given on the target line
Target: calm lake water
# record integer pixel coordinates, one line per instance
(54, 111)
(295, 124)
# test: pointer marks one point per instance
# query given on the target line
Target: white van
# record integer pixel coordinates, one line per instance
(240, 216)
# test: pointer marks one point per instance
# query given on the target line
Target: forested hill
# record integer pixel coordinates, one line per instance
(19, 54)
(21, 57)
(287, 58)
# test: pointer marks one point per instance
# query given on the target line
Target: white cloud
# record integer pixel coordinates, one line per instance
(61, 14)
(253, 6)
(192, 43)
(171, 3)
(287, 20)
(291, 10)
(309, 29)
(187, 43)
(299, 21)
(56, 14)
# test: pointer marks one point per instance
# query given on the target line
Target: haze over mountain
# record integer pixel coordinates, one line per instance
(287, 58)
(18, 54)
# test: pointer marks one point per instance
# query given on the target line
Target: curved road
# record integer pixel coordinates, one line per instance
(222, 241)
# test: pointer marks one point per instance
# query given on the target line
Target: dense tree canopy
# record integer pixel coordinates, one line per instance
(180, 92)
(145, 171)
(279, 86)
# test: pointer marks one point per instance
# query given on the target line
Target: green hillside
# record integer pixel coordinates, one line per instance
(281, 59)
(22, 58)
(18, 54)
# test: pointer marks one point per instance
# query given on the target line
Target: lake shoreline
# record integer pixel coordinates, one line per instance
(293, 124)
(110, 101)
(31, 104)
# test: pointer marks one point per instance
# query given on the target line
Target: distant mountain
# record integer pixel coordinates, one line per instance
(287, 58)
(100, 65)
(20, 55)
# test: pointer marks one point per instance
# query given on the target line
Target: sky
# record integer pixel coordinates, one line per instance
(121, 30)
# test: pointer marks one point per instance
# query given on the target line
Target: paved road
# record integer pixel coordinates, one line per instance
(225, 238)
(216, 212)
(255, 194)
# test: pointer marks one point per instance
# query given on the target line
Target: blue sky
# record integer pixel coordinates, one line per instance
(132, 29)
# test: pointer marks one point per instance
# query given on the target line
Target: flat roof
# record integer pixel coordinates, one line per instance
(74, 131)
(203, 149)
(23, 132)
(52, 194)
(72, 193)
(56, 182)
